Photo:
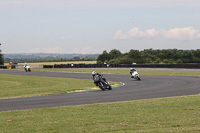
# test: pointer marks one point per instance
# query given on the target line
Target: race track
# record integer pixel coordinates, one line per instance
(149, 87)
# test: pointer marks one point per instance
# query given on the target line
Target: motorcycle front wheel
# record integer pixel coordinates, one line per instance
(110, 88)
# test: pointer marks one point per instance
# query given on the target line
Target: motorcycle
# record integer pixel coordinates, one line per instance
(27, 69)
(135, 75)
(102, 83)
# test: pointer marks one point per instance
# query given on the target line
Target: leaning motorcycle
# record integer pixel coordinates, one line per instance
(27, 69)
(102, 83)
(135, 75)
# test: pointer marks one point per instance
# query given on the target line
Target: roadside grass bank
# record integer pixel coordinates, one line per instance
(175, 114)
(26, 86)
(125, 72)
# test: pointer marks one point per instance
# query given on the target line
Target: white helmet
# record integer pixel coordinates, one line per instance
(131, 68)
(94, 73)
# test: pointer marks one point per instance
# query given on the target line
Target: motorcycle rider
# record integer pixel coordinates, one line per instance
(132, 71)
(100, 81)
(95, 74)
(26, 67)
(134, 74)
(25, 64)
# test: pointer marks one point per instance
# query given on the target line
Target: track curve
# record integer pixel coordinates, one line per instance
(149, 87)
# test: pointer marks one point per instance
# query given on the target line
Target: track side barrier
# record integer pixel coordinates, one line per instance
(7, 67)
(191, 66)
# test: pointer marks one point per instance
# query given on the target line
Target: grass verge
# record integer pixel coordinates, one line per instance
(24, 86)
(126, 72)
(177, 114)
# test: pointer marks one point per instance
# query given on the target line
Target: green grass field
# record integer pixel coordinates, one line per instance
(176, 114)
(26, 86)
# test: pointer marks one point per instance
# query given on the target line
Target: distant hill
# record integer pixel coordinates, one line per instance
(45, 56)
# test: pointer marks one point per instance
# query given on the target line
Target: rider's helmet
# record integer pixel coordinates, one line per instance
(131, 69)
(94, 73)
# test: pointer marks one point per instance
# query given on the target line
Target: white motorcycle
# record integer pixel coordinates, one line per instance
(135, 75)
(27, 68)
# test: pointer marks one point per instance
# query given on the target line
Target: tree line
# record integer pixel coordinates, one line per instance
(18, 60)
(1, 58)
(149, 56)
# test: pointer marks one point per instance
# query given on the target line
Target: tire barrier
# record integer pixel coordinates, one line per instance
(3, 67)
(191, 66)
(7, 67)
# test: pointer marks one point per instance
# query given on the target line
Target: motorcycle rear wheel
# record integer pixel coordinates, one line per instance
(101, 86)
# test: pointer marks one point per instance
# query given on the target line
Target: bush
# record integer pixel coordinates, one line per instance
(165, 61)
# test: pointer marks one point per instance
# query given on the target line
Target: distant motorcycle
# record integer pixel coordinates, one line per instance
(135, 75)
(27, 68)
(102, 83)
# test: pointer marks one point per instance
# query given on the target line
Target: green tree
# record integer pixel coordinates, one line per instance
(197, 53)
(113, 54)
(1, 58)
(103, 57)
(77, 58)
(125, 60)
(151, 56)
(134, 54)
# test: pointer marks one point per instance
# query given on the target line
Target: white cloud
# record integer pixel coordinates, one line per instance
(181, 34)
(67, 37)
(135, 32)
(47, 50)
(88, 50)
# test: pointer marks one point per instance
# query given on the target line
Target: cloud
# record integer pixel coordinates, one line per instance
(47, 50)
(88, 50)
(135, 32)
(181, 34)
(70, 37)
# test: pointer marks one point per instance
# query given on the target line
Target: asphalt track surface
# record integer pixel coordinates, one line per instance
(148, 87)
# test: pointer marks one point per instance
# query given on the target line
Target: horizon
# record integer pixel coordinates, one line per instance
(99, 53)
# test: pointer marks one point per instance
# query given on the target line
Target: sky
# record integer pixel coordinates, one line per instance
(92, 26)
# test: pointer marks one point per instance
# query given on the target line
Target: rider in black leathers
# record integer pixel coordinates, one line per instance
(94, 75)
